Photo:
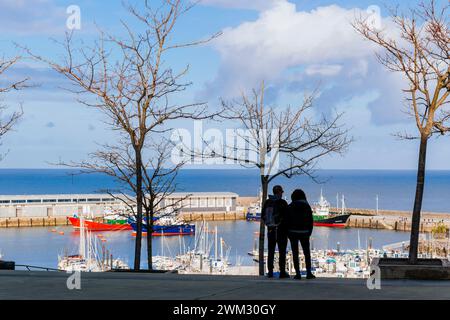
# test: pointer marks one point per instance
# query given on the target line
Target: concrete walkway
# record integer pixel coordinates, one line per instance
(52, 285)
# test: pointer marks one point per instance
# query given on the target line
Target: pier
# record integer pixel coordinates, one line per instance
(393, 220)
(54, 210)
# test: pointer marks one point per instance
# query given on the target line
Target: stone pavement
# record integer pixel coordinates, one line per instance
(52, 285)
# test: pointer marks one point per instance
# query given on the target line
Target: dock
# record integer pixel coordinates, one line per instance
(54, 210)
(393, 219)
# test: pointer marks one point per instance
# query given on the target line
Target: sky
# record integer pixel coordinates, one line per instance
(295, 46)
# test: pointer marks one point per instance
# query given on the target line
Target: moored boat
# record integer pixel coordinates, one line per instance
(253, 213)
(166, 226)
(323, 218)
(91, 225)
(88, 258)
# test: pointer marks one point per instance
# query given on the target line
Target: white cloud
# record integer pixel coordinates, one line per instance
(323, 70)
(320, 45)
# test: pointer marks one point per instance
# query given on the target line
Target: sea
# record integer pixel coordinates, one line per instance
(394, 189)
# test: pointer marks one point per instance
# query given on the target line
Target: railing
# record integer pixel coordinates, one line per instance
(29, 268)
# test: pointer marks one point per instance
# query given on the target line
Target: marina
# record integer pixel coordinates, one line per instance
(40, 246)
(210, 233)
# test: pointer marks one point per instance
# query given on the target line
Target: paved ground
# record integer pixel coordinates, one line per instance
(52, 285)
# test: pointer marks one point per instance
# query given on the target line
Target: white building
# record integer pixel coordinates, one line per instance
(32, 206)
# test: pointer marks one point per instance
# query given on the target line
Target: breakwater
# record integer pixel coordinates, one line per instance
(54, 210)
(34, 222)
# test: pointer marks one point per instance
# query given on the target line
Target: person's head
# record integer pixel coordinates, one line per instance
(298, 195)
(278, 191)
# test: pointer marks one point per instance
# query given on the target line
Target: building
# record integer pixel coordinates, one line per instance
(203, 201)
(35, 206)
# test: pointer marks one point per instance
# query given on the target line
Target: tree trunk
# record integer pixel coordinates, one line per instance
(415, 226)
(262, 227)
(139, 202)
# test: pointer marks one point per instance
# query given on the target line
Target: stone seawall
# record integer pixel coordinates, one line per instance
(34, 222)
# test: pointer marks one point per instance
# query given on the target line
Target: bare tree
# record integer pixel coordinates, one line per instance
(158, 181)
(8, 121)
(279, 142)
(129, 81)
(422, 55)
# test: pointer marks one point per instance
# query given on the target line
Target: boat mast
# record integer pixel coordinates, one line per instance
(206, 240)
(359, 241)
(221, 249)
(162, 242)
(215, 243)
(82, 242)
(377, 204)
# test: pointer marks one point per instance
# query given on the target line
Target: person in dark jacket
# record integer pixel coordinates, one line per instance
(300, 222)
(274, 215)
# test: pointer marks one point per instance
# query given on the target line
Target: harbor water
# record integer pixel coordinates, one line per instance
(395, 190)
(41, 247)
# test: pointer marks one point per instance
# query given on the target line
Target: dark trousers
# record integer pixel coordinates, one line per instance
(276, 236)
(304, 241)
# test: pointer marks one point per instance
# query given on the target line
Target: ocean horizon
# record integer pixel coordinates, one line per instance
(395, 188)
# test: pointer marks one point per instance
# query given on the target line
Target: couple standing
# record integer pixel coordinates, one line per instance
(293, 222)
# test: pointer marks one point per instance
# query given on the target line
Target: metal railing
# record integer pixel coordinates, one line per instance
(31, 268)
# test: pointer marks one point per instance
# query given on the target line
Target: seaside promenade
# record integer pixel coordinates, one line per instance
(25, 285)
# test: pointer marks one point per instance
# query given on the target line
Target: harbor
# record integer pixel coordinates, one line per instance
(56, 210)
(337, 253)
(211, 233)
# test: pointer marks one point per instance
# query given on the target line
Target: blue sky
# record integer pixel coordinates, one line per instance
(293, 45)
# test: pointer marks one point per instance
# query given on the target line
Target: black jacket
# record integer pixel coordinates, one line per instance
(282, 209)
(300, 217)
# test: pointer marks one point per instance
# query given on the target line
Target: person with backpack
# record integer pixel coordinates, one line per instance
(300, 222)
(274, 215)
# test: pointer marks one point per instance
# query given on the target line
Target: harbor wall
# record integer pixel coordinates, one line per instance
(394, 223)
(212, 216)
(22, 222)
(53, 210)
(34, 222)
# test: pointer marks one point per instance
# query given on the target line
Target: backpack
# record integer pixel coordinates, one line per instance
(272, 214)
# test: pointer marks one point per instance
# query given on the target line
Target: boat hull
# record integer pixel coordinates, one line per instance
(97, 226)
(253, 217)
(333, 222)
(173, 230)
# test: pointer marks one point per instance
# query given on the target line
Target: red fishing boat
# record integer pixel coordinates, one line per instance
(98, 226)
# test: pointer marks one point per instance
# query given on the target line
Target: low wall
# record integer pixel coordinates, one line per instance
(393, 223)
(34, 222)
(216, 216)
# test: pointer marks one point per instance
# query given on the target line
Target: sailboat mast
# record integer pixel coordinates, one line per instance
(206, 240)
(359, 241)
(215, 243)
(221, 249)
(82, 238)
(377, 204)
